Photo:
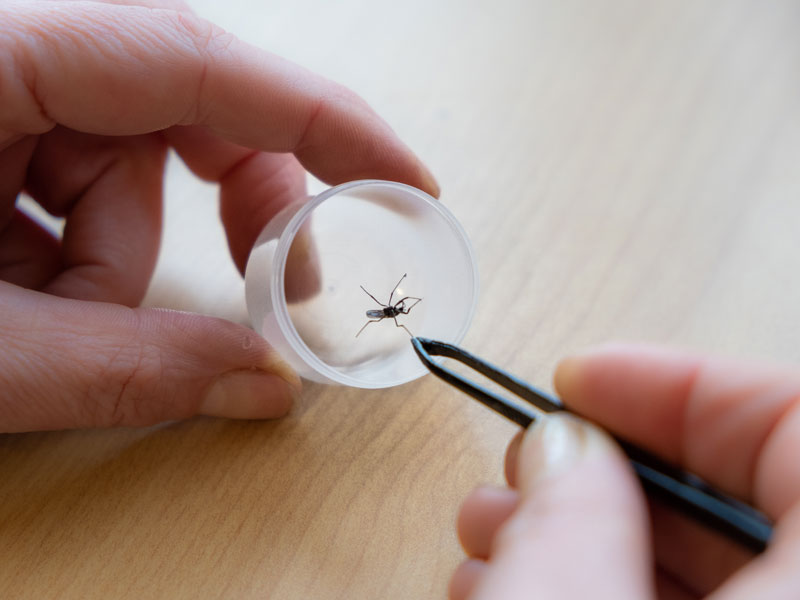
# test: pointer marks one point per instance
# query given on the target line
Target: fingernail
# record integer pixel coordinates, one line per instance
(248, 395)
(430, 184)
(566, 376)
(573, 370)
(512, 458)
(554, 444)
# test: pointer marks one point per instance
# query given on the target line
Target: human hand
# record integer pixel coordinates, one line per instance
(91, 96)
(574, 524)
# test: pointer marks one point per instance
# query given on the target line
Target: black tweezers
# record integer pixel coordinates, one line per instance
(674, 487)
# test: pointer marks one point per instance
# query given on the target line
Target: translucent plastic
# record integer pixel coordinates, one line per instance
(304, 275)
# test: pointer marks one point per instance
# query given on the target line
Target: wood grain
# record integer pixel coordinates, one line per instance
(626, 170)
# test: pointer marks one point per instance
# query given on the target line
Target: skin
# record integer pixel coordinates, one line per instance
(92, 95)
(573, 523)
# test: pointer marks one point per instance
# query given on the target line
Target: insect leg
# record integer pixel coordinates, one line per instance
(371, 296)
(403, 326)
(405, 311)
(367, 323)
(395, 288)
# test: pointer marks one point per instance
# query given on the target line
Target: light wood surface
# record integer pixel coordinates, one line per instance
(625, 169)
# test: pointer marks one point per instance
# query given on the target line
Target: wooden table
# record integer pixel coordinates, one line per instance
(625, 169)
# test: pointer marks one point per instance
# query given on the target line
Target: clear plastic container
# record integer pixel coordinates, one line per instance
(304, 275)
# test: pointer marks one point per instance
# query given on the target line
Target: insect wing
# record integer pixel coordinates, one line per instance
(374, 314)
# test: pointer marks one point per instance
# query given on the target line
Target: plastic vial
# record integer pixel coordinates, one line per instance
(303, 277)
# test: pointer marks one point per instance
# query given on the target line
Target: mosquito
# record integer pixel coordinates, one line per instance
(390, 311)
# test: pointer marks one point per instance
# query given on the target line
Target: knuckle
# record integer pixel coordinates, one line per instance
(125, 387)
(327, 106)
(62, 374)
(209, 40)
(340, 93)
(338, 97)
(207, 43)
(22, 41)
(132, 383)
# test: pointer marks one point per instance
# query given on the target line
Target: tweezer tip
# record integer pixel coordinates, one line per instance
(419, 345)
(424, 342)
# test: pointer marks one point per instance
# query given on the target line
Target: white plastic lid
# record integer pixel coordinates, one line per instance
(304, 275)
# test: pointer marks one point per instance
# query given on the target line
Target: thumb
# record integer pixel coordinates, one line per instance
(69, 364)
(580, 528)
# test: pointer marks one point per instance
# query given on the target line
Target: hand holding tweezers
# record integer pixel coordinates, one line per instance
(672, 486)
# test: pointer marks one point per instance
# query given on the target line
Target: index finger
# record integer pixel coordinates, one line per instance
(735, 424)
(122, 70)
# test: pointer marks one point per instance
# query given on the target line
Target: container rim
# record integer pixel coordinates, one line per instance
(278, 291)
